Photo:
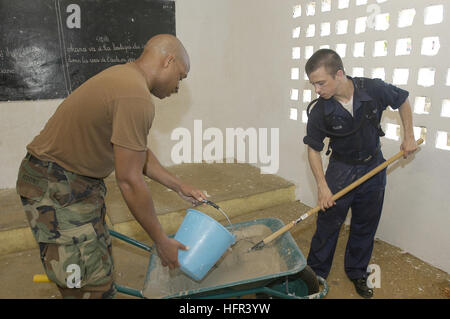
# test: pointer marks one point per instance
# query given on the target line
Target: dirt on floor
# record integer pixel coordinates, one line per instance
(402, 275)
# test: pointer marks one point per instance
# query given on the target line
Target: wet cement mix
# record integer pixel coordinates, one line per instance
(238, 264)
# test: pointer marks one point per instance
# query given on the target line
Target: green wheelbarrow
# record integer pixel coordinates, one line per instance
(285, 275)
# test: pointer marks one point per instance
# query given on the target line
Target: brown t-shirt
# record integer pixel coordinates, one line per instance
(113, 107)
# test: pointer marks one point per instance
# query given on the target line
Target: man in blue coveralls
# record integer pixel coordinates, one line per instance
(349, 111)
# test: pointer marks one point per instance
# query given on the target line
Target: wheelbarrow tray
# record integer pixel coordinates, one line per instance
(159, 281)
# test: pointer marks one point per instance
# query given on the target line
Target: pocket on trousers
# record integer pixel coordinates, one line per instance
(77, 256)
(31, 182)
(59, 190)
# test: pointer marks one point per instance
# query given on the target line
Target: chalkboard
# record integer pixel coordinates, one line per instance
(50, 47)
(31, 65)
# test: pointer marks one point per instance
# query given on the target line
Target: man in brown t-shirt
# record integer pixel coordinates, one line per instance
(102, 126)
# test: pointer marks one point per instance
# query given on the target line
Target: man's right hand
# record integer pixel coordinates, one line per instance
(323, 191)
(167, 249)
(324, 197)
(129, 167)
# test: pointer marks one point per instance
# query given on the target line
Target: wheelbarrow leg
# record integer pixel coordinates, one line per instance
(129, 291)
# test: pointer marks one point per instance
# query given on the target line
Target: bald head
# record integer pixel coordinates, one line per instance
(163, 45)
(165, 63)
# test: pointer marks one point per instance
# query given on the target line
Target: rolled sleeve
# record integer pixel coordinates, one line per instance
(314, 135)
(314, 144)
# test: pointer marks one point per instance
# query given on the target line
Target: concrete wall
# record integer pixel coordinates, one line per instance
(240, 77)
(416, 214)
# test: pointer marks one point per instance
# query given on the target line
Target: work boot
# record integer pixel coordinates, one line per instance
(362, 289)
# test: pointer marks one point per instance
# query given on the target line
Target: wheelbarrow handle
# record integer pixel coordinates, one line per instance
(38, 278)
(336, 196)
(130, 240)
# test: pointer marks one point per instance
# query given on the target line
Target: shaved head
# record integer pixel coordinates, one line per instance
(165, 62)
(164, 45)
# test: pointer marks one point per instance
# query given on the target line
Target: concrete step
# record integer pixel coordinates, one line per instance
(237, 188)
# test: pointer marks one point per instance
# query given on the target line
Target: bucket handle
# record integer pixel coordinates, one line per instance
(220, 210)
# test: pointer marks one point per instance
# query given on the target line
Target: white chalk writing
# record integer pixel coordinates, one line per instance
(19, 53)
(6, 71)
(102, 53)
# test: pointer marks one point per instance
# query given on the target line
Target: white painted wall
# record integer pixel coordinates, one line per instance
(416, 212)
(240, 77)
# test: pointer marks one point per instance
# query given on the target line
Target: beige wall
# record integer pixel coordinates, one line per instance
(19, 123)
(240, 77)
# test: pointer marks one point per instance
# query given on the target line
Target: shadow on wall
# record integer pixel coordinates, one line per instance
(171, 110)
(169, 114)
(402, 162)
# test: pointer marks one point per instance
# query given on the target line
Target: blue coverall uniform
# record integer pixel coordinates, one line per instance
(352, 157)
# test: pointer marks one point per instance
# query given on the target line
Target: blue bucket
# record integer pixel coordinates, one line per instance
(207, 240)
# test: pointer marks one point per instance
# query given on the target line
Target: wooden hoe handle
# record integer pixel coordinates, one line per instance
(336, 196)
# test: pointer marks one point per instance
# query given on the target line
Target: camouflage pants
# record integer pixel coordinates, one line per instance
(66, 213)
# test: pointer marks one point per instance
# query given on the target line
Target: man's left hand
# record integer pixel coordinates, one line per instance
(408, 146)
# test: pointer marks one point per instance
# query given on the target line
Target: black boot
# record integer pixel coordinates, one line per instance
(362, 289)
